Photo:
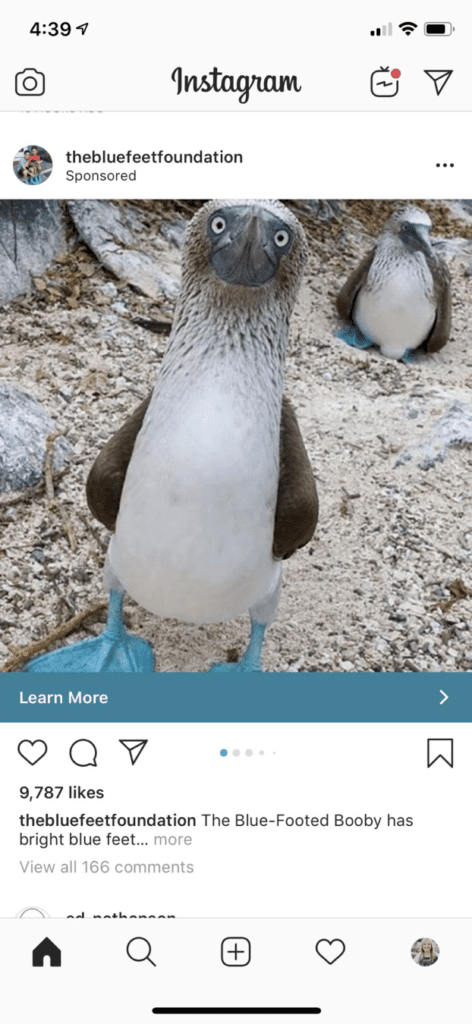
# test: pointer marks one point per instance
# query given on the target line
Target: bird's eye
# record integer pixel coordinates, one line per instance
(218, 225)
(281, 238)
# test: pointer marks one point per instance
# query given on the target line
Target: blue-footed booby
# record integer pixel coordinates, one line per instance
(399, 297)
(208, 486)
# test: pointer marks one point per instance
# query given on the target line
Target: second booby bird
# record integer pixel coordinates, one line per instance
(208, 485)
(399, 297)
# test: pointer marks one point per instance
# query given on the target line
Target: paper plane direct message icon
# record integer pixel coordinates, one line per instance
(134, 748)
(440, 750)
(440, 79)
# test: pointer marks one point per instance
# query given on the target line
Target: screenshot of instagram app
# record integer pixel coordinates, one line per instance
(235, 514)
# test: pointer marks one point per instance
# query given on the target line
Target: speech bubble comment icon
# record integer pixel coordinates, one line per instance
(330, 949)
(83, 753)
(32, 750)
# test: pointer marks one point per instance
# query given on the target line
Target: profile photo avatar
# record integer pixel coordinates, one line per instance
(425, 952)
(32, 165)
(30, 83)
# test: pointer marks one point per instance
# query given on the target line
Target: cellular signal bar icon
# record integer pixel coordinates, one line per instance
(386, 30)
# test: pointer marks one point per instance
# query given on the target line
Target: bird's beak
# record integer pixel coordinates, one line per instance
(247, 259)
(252, 231)
(424, 239)
(417, 236)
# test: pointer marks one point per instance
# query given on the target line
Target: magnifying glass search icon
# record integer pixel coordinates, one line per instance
(139, 949)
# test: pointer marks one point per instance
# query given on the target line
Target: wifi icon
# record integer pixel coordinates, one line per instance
(408, 27)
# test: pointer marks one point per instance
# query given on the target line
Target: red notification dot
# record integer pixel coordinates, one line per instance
(395, 73)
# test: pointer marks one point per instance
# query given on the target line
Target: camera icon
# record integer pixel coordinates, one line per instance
(30, 83)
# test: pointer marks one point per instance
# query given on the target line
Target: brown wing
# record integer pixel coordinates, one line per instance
(347, 296)
(107, 475)
(296, 513)
(442, 290)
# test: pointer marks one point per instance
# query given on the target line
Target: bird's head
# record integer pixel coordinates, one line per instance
(249, 244)
(413, 227)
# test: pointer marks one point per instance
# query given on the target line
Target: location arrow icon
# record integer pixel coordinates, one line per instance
(440, 79)
(134, 748)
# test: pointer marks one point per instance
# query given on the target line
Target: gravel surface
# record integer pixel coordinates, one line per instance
(386, 583)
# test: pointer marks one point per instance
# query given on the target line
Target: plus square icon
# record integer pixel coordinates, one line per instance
(236, 951)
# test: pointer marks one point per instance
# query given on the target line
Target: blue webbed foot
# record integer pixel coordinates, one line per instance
(352, 336)
(251, 659)
(235, 666)
(409, 356)
(115, 650)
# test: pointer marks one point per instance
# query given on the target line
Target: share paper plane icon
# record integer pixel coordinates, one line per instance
(134, 748)
(440, 79)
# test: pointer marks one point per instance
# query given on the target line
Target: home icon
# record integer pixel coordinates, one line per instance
(46, 948)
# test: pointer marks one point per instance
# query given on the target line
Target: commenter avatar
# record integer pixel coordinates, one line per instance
(425, 952)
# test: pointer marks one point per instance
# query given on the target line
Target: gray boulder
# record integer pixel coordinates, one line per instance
(32, 233)
(24, 427)
(117, 237)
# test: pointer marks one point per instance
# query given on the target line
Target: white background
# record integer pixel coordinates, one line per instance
(374, 980)
(127, 56)
(291, 871)
(297, 155)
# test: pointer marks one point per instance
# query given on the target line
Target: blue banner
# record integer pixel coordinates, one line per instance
(195, 697)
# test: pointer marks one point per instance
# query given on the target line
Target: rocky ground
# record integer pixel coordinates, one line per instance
(386, 584)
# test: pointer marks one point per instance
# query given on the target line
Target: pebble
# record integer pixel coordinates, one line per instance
(38, 554)
(295, 666)
(108, 289)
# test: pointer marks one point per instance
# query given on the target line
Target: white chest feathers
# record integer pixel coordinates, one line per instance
(397, 310)
(195, 528)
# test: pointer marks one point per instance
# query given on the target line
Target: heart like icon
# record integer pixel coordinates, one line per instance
(330, 949)
(32, 750)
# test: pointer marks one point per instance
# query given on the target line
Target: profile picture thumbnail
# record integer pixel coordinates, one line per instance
(425, 952)
(32, 912)
(32, 165)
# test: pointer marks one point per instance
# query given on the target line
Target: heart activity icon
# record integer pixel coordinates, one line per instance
(32, 750)
(330, 949)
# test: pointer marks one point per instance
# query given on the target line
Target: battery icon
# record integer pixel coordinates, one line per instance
(438, 28)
